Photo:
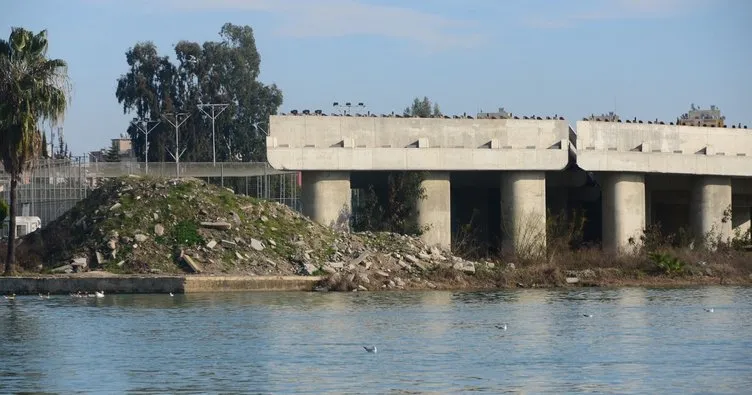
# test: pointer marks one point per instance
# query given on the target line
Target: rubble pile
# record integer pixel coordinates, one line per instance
(179, 226)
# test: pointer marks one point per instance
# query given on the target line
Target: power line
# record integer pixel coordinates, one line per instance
(176, 156)
(216, 109)
(143, 127)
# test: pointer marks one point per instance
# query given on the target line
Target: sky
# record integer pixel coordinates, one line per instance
(641, 58)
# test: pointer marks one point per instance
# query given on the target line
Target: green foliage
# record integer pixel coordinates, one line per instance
(186, 233)
(113, 154)
(422, 109)
(667, 263)
(3, 210)
(224, 71)
(33, 88)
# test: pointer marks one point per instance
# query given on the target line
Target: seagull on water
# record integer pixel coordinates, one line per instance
(99, 294)
(43, 296)
(371, 349)
(710, 310)
(171, 294)
(588, 315)
(502, 327)
(10, 297)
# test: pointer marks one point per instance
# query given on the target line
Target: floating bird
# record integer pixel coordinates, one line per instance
(42, 296)
(370, 349)
(171, 294)
(502, 327)
(710, 310)
(99, 294)
(10, 297)
(588, 315)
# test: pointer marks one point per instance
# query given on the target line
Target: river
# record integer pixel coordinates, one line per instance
(638, 340)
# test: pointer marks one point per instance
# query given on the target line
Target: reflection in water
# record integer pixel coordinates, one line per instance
(638, 341)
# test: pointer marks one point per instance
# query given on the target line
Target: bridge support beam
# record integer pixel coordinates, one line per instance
(434, 211)
(711, 205)
(523, 213)
(327, 198)
(623, 211)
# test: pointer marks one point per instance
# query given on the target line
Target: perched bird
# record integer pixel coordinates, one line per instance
(370, 349)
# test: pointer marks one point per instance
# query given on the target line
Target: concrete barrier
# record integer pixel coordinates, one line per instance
(152, 284)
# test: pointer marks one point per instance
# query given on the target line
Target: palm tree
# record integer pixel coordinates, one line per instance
(33, 89)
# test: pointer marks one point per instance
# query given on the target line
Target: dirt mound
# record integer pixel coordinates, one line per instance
(150, 225)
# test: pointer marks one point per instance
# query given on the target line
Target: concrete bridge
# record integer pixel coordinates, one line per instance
(507, 174)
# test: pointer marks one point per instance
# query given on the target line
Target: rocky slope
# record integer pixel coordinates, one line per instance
(160, 226)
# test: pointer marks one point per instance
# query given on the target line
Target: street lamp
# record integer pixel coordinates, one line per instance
(216, 109)
(176, 156)
(143, 127)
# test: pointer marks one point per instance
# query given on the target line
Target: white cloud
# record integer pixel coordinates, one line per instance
(338, 18)
(617, 9)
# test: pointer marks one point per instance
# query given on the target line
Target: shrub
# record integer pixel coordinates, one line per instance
(667, 263)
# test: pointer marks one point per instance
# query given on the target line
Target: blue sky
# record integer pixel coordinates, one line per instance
(643, 58)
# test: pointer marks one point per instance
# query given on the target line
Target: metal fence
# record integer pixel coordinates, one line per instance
(55, 186)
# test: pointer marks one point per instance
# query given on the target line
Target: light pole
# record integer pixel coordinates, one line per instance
(143, 127)
(216, 109)
(347, 106)
(177, 125)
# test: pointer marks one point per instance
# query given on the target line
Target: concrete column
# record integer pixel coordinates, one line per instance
(523, 212)
(434, 211)
(327, 198)
(623, 211)
(741, 221)
(710, 209)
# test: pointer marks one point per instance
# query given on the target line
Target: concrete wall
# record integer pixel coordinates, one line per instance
(630, 147)
(64, 285)
(523, 212)
(373, 143)
(623, 211)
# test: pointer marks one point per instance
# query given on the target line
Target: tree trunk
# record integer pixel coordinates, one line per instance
(10, 260)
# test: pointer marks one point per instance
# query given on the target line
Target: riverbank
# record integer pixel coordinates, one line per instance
(438, 279)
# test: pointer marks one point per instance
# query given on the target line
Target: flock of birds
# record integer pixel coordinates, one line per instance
(78, 294)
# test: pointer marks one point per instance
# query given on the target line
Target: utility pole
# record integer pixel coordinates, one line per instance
(216, 109)
(177, 125)
(143, 127)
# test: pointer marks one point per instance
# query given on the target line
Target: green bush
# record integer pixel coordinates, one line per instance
(667, 263)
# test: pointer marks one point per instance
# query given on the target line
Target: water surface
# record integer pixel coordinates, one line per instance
(638, 341)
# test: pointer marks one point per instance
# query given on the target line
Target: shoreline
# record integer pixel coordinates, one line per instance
(110, 283)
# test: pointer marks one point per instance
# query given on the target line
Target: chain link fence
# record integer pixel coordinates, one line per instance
(54, 186)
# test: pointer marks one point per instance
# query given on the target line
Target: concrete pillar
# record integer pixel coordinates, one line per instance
(710, 209)
(623, 211)
(523, 212)
(434, 211)
(327, 198)
(741, 221)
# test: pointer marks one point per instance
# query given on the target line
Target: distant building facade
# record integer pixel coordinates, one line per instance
(610, 117)
(699, 117)
(501, 114)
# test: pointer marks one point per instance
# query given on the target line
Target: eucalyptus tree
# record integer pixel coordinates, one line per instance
(224, 71)
(33, 89)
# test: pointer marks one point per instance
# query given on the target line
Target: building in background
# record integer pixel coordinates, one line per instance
(610, 117)
(699, 117)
